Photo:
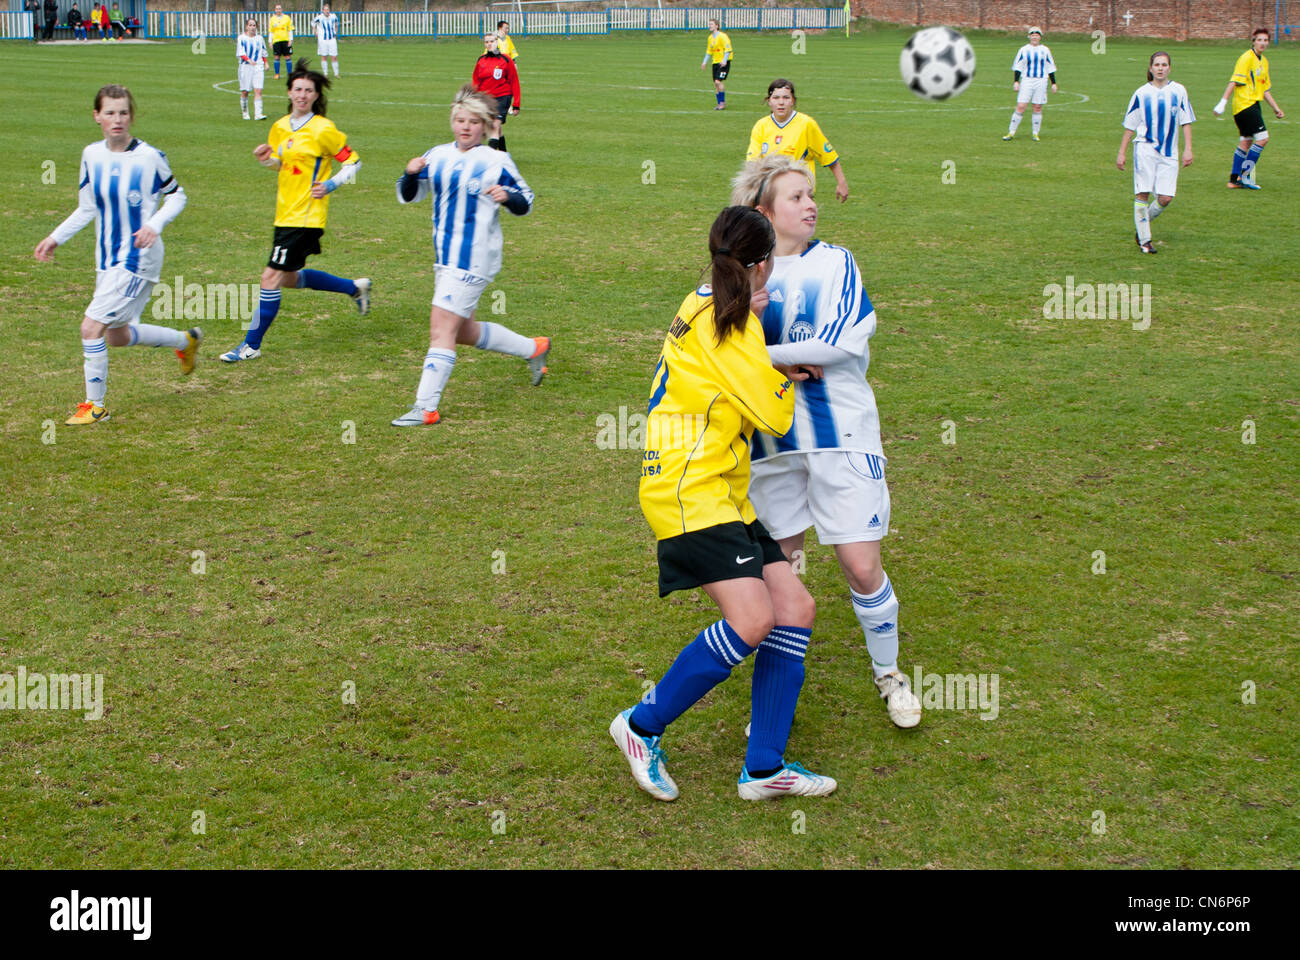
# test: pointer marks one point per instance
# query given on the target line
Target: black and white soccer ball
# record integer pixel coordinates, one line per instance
(937, 63)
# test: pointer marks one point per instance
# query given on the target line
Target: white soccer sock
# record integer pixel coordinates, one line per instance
(878, 615)
(438, 365)
(336, 68)
(95, 353)
(1154, 210)
(504, 340)
(243, 103)
(257, 105)
(151, 335)
(324, 66)
(1037, 122)
(1141, 221)
(1015, 122)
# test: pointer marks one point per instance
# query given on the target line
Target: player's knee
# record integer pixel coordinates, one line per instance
(865, 575)
(753, 624)
(271, 278)
(1261, 138)
(797, 610)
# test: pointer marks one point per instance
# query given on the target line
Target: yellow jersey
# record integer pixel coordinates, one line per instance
(718, 46)
(799, 137)
(506, 47)
(281, 28)
(1251, 77)
(305, 155)
(706, 401)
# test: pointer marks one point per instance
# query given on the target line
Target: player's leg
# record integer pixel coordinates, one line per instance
(335, 59)
(1017, 114)
(94, 352)
(486, 335)
(1249, 164)
(1239, 158)
(243, 97)
(258, 81)
(440, 359)
(1036, 124)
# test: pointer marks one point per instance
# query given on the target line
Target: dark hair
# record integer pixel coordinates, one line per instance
(115, 91)
(780, 82)
(1159, 53)
(302, 71)
(1258, 30)
(740, 238)
(502, 23)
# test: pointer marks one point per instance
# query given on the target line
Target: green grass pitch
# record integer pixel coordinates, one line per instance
(488, 585)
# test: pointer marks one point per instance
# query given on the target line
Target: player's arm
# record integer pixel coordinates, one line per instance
(1187, 144)
(726, 50)
(171, 208)
(755, 151)
(708, 51)
(763, 394)
(413, 184)
(1240, 76)
(346, 156)
(79, 218)
(511, 191)
(1123, 147)
(820, 148)
(515, 92)
(1273, 103)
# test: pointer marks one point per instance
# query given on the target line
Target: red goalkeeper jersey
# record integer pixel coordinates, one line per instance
(496, 76)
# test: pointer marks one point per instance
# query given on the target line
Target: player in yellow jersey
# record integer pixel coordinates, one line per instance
(281, 40)
(718, 49)
(300, 147)
(713, 387)
(1250, 83)
(506, 46)
(786, 131)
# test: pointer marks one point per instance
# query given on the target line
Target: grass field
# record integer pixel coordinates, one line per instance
(482, 698)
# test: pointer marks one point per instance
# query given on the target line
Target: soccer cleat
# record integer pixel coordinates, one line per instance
(537, 362)
(1009, 136)
(792, 780)
(645, 758)
(260, 116)
(362, 297)
(904, 708)
(1035, 137)
(189, 353)
(245, 114)
(417, 417)
(87, 413)
(1148, 247)
(1247, 184)
(241, 352)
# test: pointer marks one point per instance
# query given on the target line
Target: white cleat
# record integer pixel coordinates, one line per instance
(644, 757)
(904, 708)
(362, 298)
(241, 352)
(417, 417)
(792, 780)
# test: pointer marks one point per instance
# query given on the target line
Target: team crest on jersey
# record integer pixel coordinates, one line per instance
(472, 188)
(778, 139)
(800, 330)
(763, 151)
(497, 73)
(827, 148)
(134, 198)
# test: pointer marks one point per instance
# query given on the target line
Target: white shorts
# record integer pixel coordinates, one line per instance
(250, 76)
(842, 493)
(327, 48)
(458, 291)
(1153, 173)
(1032, 90)
(120, 297)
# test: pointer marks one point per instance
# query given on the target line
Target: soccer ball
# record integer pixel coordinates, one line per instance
(937, 63)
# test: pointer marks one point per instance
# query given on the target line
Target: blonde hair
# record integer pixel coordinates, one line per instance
(476, 103)
(753, 185)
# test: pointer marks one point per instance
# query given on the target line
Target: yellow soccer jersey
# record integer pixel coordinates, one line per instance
(798, 137)
(705, 402)
(506, 47)
(281, 28)
(719, 47)
(305, 156)
(1251, 77)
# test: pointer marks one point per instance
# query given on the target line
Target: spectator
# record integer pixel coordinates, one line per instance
(75, 23)
(118, 20)
(51, 18)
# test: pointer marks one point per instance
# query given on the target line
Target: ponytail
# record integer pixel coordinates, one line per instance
(741, 237)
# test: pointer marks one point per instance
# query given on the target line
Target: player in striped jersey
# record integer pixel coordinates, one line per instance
(1250, 83)
(251, 51)
(713, 386)
(718, 48)
(796, 135)
(828, 470)
(121, 182)
(326, 27)
(300, 147)
(1158, 108)
(469, 184)
(282, 40)
(1032, 69)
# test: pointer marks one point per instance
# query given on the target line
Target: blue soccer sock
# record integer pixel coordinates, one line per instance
(1238, 158)
(320, 280)
(1252, 158)
(267, 307)
(720, 97)
(774, 694)
(702, 665)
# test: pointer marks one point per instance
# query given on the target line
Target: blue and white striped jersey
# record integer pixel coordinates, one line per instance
(818, 295)
(466, 221)
(120, 192)
(253, 48)
(326, 28)
(1034, 62)
(1156, 113)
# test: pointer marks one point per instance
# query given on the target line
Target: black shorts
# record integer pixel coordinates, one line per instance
(1250, 121)
(720, 70)
(503, 106)
(281, 48)
(728, 551)
(292, 246)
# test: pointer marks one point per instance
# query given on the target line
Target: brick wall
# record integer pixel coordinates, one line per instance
(1177, 19)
